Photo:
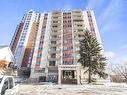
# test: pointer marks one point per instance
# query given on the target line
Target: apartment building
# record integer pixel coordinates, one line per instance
(46, 45)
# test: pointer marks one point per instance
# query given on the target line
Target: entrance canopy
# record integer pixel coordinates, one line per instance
(75, 68)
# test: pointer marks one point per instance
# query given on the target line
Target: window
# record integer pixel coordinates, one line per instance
(42, 37)
(53, 48)
(44, 27)
(67, 41)
(77, 20)
(55, 31)
(25, 29)
(69, 20)
(54, 36)
(64, 17)
(55, 26)
(45, 18)
(89, 16)
(31, 12)
(43, 70)
(67, 54)
(80, 30)
(67, 35)
(53, 42)
(52, 63)
(69, 13)
(79, 25)
(68, 62)
(92, 29)
(67, 47)
(69, 25)
(40, 71)
(69, 16)
(55, 21)
(53, 55)
(42, 31)
(31, 51)
(66, 30)
(40, 48)
(41, 42)
(38, 62)
(64, 21)
(55, 17)
(39, 55)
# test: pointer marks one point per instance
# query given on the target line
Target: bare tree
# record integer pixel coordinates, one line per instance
(119, 72)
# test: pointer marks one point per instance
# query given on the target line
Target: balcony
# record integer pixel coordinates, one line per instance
(78, 38)
(55, 28)
(55, 33)
(56, 18)
(80, 33)
(56, 15)
(78, 23)
(54, 45)
(54, 51)
(54, 59)
(78, 27)
(56, 12)
(52, 69)
(77, 12)
(58, 23)
(55, 38)
(77, 19)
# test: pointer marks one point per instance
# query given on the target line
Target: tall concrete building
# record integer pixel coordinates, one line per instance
(46, 45)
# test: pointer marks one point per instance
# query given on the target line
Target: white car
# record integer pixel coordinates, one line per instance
(6, 83)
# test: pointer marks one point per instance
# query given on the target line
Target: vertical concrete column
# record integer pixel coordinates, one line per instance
(59, 77)
(78, 78)
(75, 74)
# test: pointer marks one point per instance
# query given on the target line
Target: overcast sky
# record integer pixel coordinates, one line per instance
(111, 16)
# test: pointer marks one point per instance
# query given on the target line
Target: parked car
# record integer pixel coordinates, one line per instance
(6, 83)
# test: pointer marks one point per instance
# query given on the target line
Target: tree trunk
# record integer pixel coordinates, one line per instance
(89, 80)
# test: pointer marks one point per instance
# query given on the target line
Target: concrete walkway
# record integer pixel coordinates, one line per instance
(106, 89)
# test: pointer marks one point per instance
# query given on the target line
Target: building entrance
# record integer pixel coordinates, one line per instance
(68, 74)
(42, 78)
(68, 77)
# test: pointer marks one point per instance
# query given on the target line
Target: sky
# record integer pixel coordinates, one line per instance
(111, 16)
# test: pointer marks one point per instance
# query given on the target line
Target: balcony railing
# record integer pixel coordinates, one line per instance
(56, 28)
(56, 12)
(54, 51)
(54, 45)
(81, 33)
(56, 23)
(54, 59)
(79, 19)
(55, 33)
(77, 13)
(56, 18)
(78, 27)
